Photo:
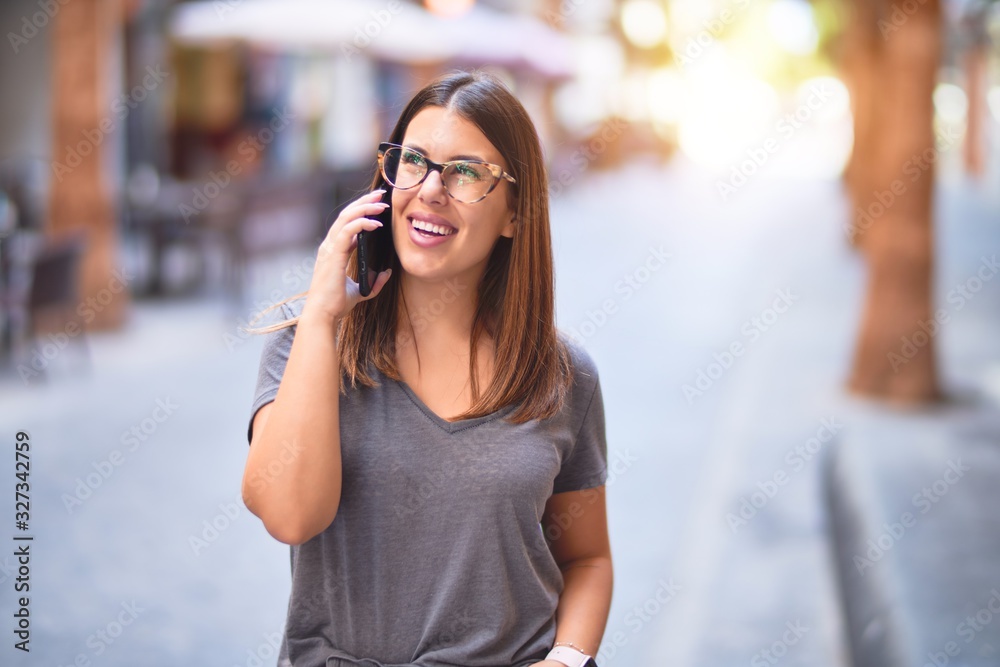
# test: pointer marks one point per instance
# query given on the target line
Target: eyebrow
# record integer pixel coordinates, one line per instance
(420, 149)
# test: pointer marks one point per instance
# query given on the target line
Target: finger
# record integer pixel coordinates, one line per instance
(355, 211)
(364, 208)
(380, 282)
(373, 196)
(367, 202)
(352, 228)
(345, 239)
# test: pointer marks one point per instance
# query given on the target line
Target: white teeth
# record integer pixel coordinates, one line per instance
(428, 227)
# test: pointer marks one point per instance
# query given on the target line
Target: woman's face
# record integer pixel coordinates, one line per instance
(441, 136)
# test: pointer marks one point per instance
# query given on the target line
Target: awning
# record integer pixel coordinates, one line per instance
(394, 31)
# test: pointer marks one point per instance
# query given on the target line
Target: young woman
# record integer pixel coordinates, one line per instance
(448, 508)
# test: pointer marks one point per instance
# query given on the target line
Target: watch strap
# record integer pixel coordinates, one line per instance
(569, 657)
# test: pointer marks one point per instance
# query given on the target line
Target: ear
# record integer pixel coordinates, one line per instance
(508, 229)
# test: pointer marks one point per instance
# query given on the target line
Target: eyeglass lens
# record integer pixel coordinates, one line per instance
(465, 181)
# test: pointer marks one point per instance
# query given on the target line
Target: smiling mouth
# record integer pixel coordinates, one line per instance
(428, 229)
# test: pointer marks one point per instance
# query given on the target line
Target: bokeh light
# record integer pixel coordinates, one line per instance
(644, 22)
(727, 110)
(950, 103)
(449, 8)
(793, 26)
(993, 99)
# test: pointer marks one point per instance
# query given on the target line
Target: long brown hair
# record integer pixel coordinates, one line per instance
(515, 302)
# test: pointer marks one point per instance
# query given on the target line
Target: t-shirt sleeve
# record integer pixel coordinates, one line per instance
(273, 358)
(586, 466)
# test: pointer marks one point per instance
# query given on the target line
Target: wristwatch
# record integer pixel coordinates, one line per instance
(570, 657)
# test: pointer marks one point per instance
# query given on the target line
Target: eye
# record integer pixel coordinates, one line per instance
(412, 157)
(469, 171)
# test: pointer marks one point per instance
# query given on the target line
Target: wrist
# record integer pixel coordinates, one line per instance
(317, 316)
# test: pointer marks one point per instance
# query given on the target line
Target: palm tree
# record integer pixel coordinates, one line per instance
(891, 60)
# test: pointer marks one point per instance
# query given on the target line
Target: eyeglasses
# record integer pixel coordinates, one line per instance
(467, 181)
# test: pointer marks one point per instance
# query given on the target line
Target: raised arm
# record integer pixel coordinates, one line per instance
(292, 479)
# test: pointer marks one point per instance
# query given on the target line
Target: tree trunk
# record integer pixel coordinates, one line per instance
(82, 125)
(860, 48)
(974, 148)
(894, 358)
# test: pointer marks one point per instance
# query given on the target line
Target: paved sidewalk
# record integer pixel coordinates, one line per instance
(913, 500)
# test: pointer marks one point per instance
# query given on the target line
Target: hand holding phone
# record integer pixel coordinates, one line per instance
(332, 293)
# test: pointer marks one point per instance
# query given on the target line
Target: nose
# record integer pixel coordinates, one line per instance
(432, 189)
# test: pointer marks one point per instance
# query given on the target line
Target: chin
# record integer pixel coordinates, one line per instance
(438, 273)
(417, 267)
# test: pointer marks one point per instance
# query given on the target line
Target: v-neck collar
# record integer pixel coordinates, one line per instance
(440, 422)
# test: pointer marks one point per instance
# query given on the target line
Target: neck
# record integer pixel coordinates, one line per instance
(438, 315)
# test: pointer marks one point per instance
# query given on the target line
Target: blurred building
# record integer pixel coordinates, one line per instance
(156, 135)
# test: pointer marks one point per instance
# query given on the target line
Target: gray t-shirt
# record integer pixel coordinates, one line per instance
(436, 557)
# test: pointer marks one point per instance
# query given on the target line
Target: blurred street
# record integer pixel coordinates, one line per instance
(147, 557)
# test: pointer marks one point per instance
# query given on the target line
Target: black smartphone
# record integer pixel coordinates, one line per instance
(375, 248)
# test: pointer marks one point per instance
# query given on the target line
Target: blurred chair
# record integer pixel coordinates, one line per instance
(54, 276)
(54, 300)
(47, 304)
